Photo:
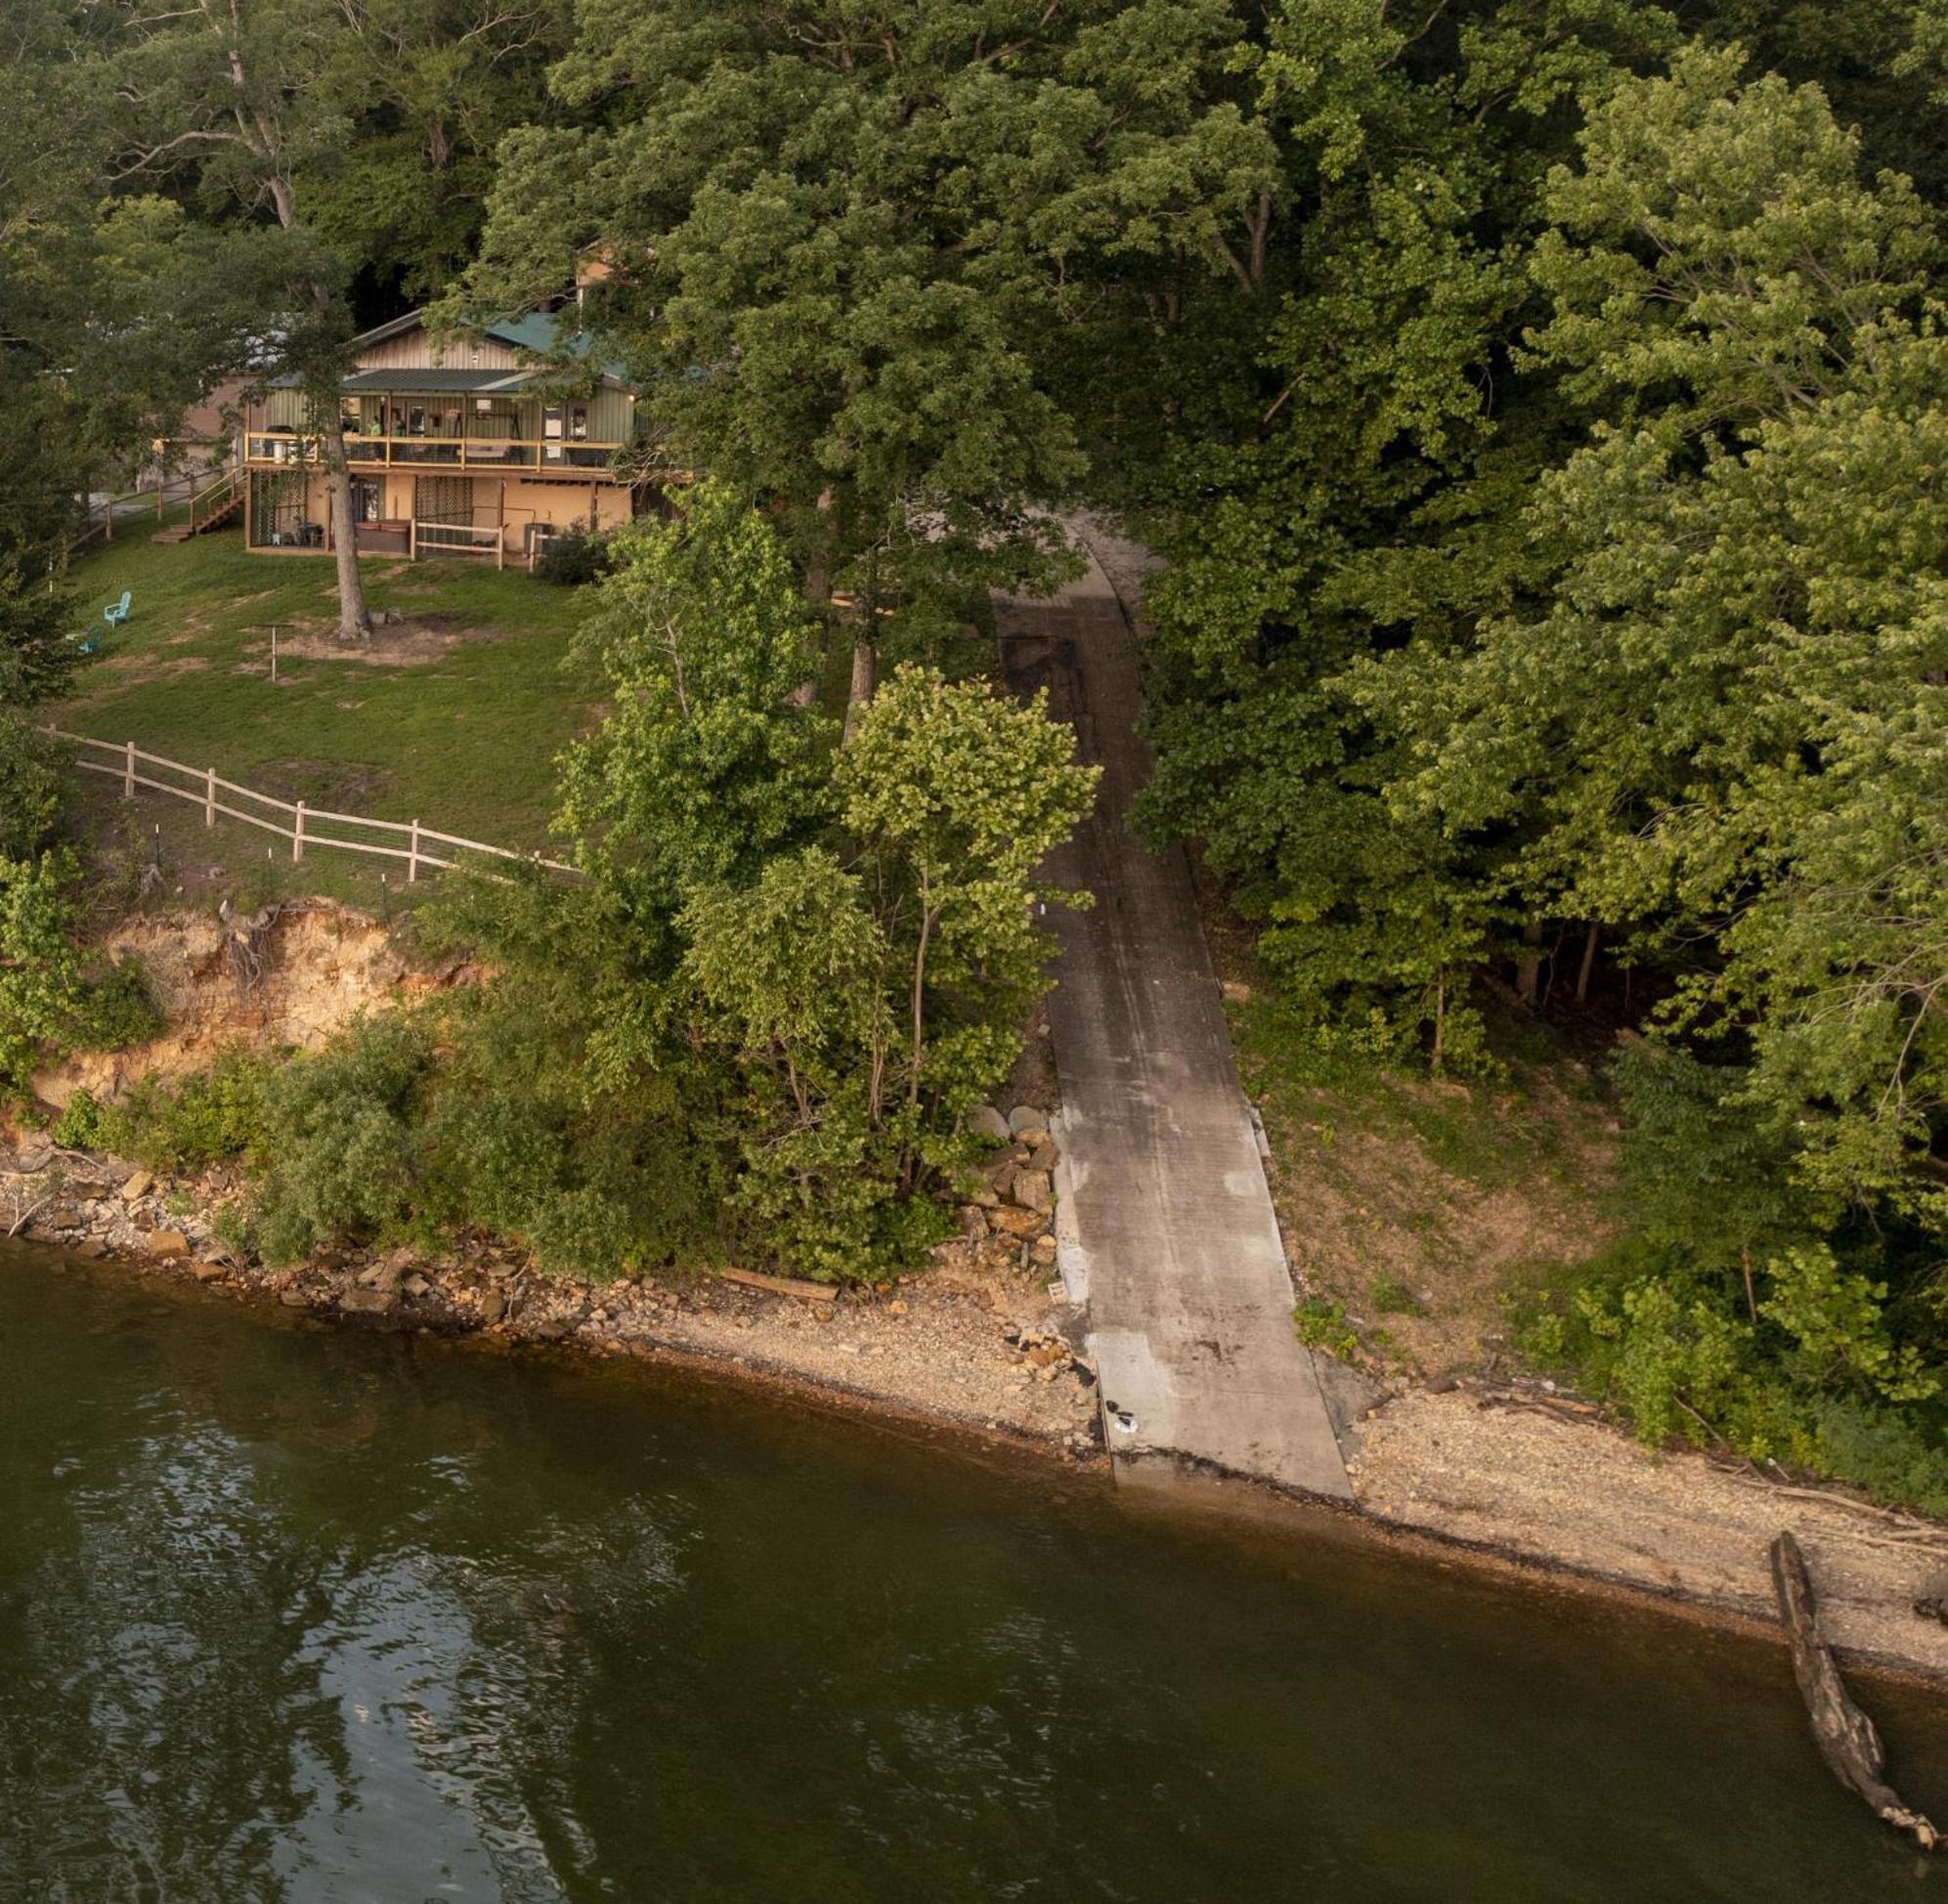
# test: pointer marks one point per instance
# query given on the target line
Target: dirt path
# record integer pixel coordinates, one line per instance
(1166, 1223)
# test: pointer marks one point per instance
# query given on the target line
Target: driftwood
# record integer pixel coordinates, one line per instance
(1843, 1733)
(28, 1215)
(780, 1285)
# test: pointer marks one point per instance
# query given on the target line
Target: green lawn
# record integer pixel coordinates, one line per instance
(462, 735)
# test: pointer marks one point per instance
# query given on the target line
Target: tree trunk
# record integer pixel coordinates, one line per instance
(354, 624)
(819, 568)
(1843, 1733)
(818, 593)
(919, 998)
(328, 412)
(1589, 966)
(865, 681)
(1528, 967)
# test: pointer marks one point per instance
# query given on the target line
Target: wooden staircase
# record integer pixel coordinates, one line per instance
(213, 507)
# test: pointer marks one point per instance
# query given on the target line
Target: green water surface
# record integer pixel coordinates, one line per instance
(287, 1613)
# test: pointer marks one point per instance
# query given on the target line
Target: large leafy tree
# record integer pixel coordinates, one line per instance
(430, 87)
(236, 103)
(889, 268)
(846, 935)
(1744, 633)
(709, 759)
(869, 987)
(107, 323)
(1370, 496)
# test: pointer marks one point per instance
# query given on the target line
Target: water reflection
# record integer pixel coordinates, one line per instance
(289, 1614)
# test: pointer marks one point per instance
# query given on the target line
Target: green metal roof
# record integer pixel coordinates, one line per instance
(554, 335)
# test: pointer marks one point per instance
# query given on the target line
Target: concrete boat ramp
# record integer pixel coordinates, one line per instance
(1165, 1226)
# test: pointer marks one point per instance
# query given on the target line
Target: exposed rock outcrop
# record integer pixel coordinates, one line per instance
(290, 975)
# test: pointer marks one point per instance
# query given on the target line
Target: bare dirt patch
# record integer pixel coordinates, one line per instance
(1424, 1249)
(144, 664)
(294, 977)
(413, 641)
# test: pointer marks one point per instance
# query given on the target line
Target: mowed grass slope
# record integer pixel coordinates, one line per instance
(457, 719)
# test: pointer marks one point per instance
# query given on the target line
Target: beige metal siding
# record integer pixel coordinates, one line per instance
(413, 350)
(611, 416)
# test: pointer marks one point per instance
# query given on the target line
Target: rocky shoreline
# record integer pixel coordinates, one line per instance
(985, 1345)
(982, 1343)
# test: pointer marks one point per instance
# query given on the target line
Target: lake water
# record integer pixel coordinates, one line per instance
(287, 1613)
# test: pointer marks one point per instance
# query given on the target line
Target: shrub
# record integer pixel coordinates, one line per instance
(81, 1124)
(49, 1001)
(40, 966)
(1814, 1382)
(1894, 1457)
(210, 1118)
(571, 560)
(338, 1140)
(117, 1010)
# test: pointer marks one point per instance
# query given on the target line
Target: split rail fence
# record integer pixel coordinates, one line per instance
(418, 844)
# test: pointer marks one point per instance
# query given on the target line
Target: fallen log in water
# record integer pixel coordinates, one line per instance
(1844, 1734)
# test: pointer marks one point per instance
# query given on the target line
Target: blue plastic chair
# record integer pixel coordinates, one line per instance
(117, 612)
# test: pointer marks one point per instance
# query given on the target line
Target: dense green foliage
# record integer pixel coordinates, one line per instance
(1574, 587)
(52, 996)
(758, 1025)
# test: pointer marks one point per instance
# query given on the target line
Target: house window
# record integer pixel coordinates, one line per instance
(565, 422)
(367, 500)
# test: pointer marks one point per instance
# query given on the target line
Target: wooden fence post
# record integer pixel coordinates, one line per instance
(415, 855)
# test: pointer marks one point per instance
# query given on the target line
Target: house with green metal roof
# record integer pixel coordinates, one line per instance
(488, 445)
